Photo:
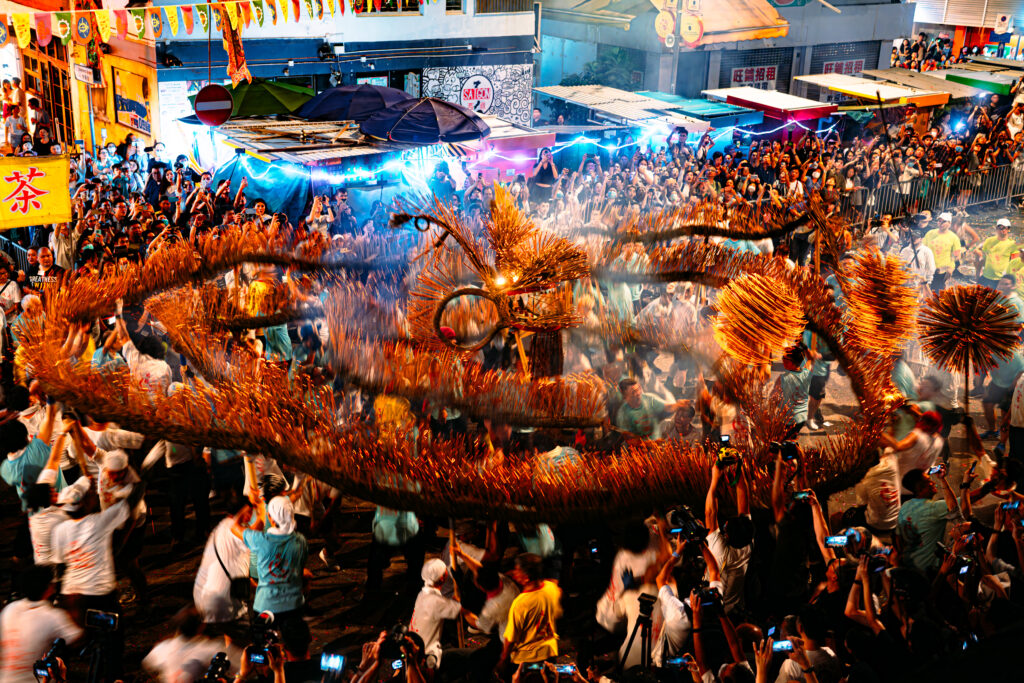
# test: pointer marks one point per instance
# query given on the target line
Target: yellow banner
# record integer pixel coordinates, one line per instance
(22, 29)
(34, 191)
(103, 24)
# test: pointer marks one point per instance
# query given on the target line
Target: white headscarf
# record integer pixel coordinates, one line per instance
(282, 514)
(432, 572)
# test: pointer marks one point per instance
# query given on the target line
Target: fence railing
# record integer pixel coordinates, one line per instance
(961, 190)
(17, 252)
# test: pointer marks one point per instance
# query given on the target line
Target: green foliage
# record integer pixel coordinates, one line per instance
(613, 67)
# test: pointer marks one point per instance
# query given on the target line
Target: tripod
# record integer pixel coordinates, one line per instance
(643, 625)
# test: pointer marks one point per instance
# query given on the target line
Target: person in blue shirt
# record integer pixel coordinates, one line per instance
(795, 384)
(641, 414)
(280, 554)
(922, 521)
(1000, 390)
(26, 458)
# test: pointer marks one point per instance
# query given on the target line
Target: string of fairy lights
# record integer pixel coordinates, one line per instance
(417, 167)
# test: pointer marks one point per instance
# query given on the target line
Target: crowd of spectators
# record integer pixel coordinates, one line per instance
(921, 570)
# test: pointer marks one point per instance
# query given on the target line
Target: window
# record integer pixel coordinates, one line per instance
(503, 6)
(46, 77)
(454, 6)
(392, 7)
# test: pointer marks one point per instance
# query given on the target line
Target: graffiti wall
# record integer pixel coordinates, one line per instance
(504, 90)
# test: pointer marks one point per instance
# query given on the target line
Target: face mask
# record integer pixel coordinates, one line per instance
(815, 175)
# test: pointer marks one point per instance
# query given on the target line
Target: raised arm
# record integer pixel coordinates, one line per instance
(821, 530)
(743, 491)
(711, 500)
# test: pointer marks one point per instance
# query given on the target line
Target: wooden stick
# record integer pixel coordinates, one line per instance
(455, 584)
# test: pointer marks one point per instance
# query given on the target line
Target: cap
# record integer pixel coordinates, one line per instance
(1003, 222)
(70, 498)
(946, 216)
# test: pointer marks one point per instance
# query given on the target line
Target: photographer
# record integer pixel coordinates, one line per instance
(730, 545)
(186, 655)
(679, 578)
(29, 626)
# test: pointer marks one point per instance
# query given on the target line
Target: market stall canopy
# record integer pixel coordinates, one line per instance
(866, 89)
(995, 82)
(777, 105)
(265, 98)
(425, 121)
(351, 102)
(730, 20)
(925, 81)
(623, 107)
(718, 114)
(996, 61)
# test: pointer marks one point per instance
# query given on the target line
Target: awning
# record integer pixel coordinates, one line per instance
(728, 20)
(777, 105)
(925, 81)
(718, 114)
(623, 107)
(997, 61)
(867, 89)
(997, 82)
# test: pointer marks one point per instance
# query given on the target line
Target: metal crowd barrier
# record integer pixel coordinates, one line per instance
(17, 252)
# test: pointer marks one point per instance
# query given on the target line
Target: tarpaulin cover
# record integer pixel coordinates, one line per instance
(351, 102)
(425, 121)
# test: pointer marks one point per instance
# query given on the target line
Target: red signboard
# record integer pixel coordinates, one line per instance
(213, 105)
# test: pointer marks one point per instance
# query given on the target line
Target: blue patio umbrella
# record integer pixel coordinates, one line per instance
(425, 121)
(350, 102)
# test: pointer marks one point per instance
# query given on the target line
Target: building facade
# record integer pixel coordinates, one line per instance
(818, 40)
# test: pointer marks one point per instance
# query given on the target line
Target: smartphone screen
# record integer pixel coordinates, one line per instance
(332, 662)
(782, 646)
(836, 541)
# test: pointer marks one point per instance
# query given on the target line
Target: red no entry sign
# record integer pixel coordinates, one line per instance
(213, 105)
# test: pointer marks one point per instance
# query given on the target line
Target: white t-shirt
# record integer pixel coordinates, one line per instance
(921, 455)
(212, 589)
(108, 439)
(821, 659)
(676, 626)
(732, 562)
(83, 545)
(263, 465)
(627, 606)
(495, 610)
(315, 493)
(27, 629)
(428, 617)
(172, 454)
(153, 374)
(1017, 404)
(40, 528)
(10, 293)
(879, 490)
(637, 565)
(180, 659)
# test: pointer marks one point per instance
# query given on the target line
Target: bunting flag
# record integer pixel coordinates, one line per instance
(81, 31)
(154, 21)
(310, 12)
(341, 6)
(376, 5)
(295, 10)
(245, 10)
(318, 5)
(238, 70)
(44, 28)
(137, 22)
(272, 10)
(172, 18)
(22, 29)
(257, 11)
(103, 25)
(204, 17)
(330, 6)
(217, 16)
(284, 11)
(61, 26)
(187, 18)
(231, 9)
(121, 23)
(4, 34)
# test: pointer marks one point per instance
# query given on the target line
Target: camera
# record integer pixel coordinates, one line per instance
(682, 521)
(710, 599)
(646, 603)
(102, 621)
(219, 667)
(391, 648)
(263, 636)
(48, 664)
(788, 449)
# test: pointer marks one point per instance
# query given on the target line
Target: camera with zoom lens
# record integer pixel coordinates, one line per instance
(684, 523)
(391, 648)
(710, 599)
(263, 636)
(219, 668)
(48, 664)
